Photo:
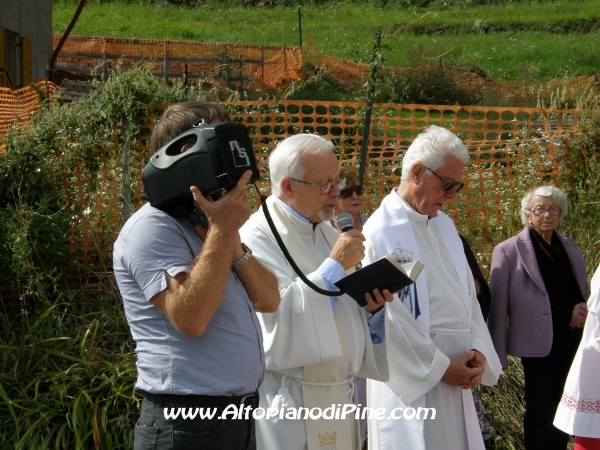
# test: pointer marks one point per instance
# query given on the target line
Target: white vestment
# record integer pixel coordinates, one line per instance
(578, 412)
(448, 323)
(306, 339)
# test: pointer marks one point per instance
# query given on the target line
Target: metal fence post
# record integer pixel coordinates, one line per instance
(299, 28)
(367, 129)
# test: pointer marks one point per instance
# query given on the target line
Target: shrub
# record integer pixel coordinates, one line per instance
(68, 367)
(426, 85)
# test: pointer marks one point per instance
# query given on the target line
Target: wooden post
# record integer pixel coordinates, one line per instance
(241, 76)
(185, 78)
(166, 64)
(126, 189)
(262, 64)
(225, 63)
(104, 70)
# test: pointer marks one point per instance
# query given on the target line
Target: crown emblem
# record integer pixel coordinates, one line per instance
(328, 439)
(401, 254)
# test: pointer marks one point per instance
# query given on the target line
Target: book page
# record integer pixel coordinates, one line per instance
(397, 265)
(412, 269)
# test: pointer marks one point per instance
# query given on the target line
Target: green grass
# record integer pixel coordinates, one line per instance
(346, 30)
(68, 377)
(524, 55)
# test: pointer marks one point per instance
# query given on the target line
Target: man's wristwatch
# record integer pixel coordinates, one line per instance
(243, 259)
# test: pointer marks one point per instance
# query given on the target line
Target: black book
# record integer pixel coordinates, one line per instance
(385, 273)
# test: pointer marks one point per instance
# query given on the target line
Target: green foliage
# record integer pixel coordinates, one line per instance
(34, 185)
(584, 186)
(68, 375)
(427, 85)
(129, 92)
(316, 88)
(68, 367)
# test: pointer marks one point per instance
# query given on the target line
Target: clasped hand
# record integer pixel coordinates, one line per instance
(465, 370)
(580, 312)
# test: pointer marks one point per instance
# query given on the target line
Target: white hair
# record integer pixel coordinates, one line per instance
(287, 159)
(559, 197)
(431, 148)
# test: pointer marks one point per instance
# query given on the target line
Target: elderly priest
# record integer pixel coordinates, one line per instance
(315, 345)
(438, 345)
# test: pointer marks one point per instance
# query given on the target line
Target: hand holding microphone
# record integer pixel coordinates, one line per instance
(349, 249)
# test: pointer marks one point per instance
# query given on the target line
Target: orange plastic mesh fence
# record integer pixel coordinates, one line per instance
(504, 144)
(17, 106)
(489, 175)
(492, 135)
(267, 65)
(97, 214)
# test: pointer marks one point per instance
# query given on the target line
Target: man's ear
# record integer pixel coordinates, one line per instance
(286, 187)
(186, 147)
(416, 172)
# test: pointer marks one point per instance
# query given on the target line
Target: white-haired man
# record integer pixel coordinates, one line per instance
(314, 344)
(438, 345)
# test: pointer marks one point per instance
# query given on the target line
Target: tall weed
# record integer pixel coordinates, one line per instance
(68, 375)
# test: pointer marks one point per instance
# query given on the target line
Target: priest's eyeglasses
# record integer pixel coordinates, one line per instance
(540, 211)
(448, 184)
(326, 188)
(347, 192)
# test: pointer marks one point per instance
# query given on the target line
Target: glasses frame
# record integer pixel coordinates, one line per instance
(546, 210)
(448, 184)
(326, 188)
(347, 192)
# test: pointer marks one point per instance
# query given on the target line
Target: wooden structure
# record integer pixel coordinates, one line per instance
(25, 41)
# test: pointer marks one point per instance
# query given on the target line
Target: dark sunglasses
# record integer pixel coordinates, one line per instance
(347, 192)
(448, 184)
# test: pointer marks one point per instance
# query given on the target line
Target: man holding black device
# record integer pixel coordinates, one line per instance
(190, 296)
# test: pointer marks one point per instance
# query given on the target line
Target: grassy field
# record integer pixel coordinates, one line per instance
(457, 35)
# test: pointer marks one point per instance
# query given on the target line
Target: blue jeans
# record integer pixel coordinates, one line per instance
(154, 432)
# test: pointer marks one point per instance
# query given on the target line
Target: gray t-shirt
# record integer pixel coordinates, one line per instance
(228, 359)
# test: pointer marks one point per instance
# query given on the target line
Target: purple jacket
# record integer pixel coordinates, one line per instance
(520, 320)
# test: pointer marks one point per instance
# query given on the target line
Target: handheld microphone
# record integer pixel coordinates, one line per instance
(345, 222)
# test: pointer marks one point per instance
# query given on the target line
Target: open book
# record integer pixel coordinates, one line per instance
(385, 273)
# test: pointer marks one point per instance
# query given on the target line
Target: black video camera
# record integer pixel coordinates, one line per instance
(218, 155)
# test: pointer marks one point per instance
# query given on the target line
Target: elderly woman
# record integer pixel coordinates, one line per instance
(539, 286)
(351, 198)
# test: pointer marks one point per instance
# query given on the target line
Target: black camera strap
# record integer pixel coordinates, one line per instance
(286, 253)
